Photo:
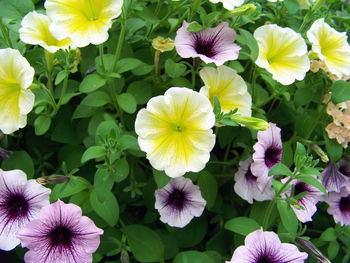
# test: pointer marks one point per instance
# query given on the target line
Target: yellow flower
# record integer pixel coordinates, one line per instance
(16, 99)
(163, 44)
(331, 47)
(282, 52)
(175, 131)
(35, 31)
(84, 21)
(229, 87)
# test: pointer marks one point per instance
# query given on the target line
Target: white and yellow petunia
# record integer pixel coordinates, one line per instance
(35, 31)
(331, 47)
(282, 52)
(84, 21)
(16, 100)
(175, 131)
(229, 87)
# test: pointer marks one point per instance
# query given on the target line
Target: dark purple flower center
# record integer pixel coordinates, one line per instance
(265, 259)
(299, 188)
(205, 47)
(16, 206)
(61, 236)
(344, 204)
(344, 168)
(177, 199)
(273, 155)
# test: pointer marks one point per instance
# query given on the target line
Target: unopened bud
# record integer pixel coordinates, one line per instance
(320, 152)
(310, 248)
(251, 122)
(317, 5)
(242, 10)
(163, 44)
(53, 179)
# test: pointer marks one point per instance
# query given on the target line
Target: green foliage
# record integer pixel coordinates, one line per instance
(242, 225)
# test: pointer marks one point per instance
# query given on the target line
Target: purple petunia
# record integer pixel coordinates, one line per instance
(268, 152)
(20, 202)
(307, 202)
(60, 235)
(260, 246)
(246, 184)
(179, 201)
(339, 206)
(333, 178)
(210, 44)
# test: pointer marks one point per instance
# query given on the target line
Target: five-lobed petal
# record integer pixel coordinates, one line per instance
(282, 52)
(175, 131)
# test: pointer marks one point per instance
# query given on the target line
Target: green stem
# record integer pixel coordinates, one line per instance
(54, 105)
(273, 202)
(120, 42)
(320, 113)
(194, 7)
(265, 101)
(49, 65)
(101, 57)
(64, 88)
(5, 33)
(253, 81)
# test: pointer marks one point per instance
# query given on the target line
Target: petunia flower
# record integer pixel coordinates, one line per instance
(263, 246)
(229, 4)
(339, 206)
(333, 179)
(84, 21)
(229, 87)
(16, 100)
(268, 152)
(20, 202)
(179, 201)
(60, 235)
(35, 31)
(331, 47)
(175, 131)
(210, 44)
(246, 184)
(282, 52)
(307, 202)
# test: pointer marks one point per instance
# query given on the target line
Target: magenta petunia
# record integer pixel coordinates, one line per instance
(179, 201)
(268, 152)
(307, 202)
(60, 235)
(333, 178)
(263, 246)
(210, 44)
(246, 184)
(20, 202)
(339, 206)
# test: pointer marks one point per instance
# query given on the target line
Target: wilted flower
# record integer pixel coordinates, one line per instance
(5, 153)
(246, 185)
(179, 201)
(307, 202)
(210, 44)
(229, 4)
(175, 131)
(263, 246)
(20, 202)
(35, 31)
(333, 180)
(16, 100)
(268, 152)
(331, 47)
(229, 87)
(339, 206)
(60, 234)
(282, 52)
(163, 44)
(83, 21)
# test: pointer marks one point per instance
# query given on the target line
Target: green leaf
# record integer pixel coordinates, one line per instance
(127, 102)
(280, 169)
(208, 187)
(145, 244)
(311, 171)
(91, 83)
(105, 130)
(61, 76)
(92, 153)
(193, 257)
(242, 225)
(127, 64)
(15, 9)
(292, 6)
(42, 124)
(340, 91)
(75, 185)
(126, 142)
(288, 217)
(160, 178)
(334, 149)
(329, 234)
(333, 249)
(309, 179)
(277, 185)
(19, 160)
(249, 40)
(217, 106)
(103, 181)
(107, 207)
(194, 27)
(122, 169)
(141, 90)
(174, 70)
(96, 99)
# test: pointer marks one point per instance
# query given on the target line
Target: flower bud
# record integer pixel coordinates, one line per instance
(163, 44)
(242, 10)
(251, 122)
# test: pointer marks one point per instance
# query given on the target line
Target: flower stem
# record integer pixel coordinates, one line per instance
(120, 41)
(316, 121)
(5, 33)
(101, 57)
(194, 7)
(156, 62)
(49, 65)
(64, 88)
